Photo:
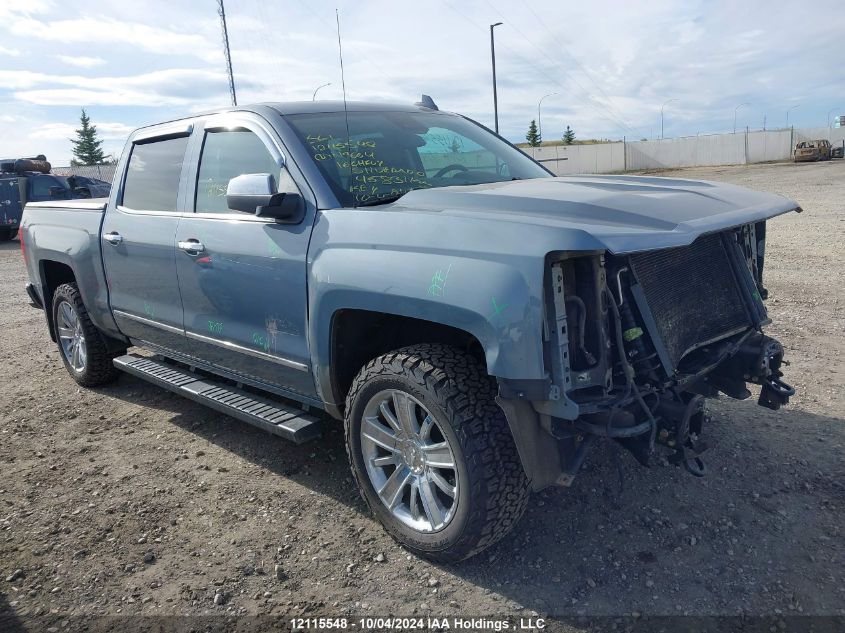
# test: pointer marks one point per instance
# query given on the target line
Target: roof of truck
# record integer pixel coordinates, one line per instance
(307, 107)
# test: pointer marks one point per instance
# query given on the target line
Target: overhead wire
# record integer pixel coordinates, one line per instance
(581, 67)
(611, 116)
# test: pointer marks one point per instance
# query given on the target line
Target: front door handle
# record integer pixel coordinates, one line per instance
(113, 238)
(191, 247)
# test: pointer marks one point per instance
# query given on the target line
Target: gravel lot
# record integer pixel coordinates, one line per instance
(129, 500)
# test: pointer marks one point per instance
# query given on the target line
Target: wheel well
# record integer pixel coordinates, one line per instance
(53, 275)
(359, 336)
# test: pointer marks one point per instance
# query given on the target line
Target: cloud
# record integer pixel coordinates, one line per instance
(11, 52)
(107, 30)
(81, 61)
(106, 131)
(175, 87)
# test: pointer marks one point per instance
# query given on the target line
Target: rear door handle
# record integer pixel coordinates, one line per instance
(191, 247)
(113, 238)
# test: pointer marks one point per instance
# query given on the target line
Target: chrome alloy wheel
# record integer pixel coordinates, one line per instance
(409, 461)
(71, 337)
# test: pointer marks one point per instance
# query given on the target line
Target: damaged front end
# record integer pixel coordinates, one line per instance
(636, 342)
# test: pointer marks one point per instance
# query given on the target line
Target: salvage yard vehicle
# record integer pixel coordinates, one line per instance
(477, 323)
(25, 180)
(812, 151)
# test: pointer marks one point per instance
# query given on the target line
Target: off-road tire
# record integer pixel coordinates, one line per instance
(456, 389)
(99, 368)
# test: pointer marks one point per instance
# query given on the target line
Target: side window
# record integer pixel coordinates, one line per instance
(40, 188)
(225, 155)
(445, 147)
(152, 177)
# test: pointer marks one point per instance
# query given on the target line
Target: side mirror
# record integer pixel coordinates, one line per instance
(256, 193)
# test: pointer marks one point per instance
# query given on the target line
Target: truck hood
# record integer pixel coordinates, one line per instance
(622, 214)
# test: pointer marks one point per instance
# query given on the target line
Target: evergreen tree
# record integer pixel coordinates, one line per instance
(533, 136)
(568, 136)
(87, 148)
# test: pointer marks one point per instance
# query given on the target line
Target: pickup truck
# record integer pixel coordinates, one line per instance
(475, 322)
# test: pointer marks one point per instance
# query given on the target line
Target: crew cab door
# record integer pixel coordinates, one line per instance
(243, 278)
(138, 241)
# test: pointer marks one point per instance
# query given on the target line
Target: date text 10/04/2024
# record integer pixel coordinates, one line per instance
(419, 624)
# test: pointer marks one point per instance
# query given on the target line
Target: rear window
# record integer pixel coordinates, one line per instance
(152, 178)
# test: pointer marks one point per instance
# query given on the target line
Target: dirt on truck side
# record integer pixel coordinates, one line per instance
(129, 500)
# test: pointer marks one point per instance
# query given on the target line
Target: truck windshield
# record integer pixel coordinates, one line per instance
(387, 154)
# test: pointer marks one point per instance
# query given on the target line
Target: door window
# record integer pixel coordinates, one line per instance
(226, 155)
(152, 178)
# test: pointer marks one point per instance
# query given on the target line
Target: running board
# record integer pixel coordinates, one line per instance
(276, 417)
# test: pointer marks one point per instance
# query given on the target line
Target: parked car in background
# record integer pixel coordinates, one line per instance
(807, 151)
(25, 180)
(475, 322)
(838, 151)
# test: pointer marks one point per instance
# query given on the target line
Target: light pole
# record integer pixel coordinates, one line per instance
(493, 58)
(314, 96)
(788, 111)
(661, 115)
(735, 109)
(829, 121)
(539, 118)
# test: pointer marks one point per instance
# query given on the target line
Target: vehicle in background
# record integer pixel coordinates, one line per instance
(807, 151)
(477, 323)
(838, 151)
(25, 180)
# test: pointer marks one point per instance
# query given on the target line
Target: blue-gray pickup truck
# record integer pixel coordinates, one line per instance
(477, 323)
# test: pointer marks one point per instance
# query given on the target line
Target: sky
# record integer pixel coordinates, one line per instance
(608, 65)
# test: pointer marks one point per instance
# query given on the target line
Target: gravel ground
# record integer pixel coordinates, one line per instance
(129, 500)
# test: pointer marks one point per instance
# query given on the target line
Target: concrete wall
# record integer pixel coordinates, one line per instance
(691, 151)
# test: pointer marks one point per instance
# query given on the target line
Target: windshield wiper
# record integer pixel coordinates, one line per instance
(385, 200)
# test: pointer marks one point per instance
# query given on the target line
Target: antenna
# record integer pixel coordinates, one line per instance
(345, 109)
(222, 13)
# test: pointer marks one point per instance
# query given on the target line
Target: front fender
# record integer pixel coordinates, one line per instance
(498, 302)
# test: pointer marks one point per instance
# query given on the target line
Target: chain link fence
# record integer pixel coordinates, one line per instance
(101, 172)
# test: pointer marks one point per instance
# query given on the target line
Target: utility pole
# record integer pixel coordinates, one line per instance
(661, 116)
(314, 96)
(539, 118)
(787, 113)
(735, 109)
(222, 13)
(495, 96)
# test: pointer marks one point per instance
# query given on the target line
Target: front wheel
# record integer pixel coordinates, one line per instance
(81, 345)
(432, 452)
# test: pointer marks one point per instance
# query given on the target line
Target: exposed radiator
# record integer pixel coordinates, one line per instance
(692, 294)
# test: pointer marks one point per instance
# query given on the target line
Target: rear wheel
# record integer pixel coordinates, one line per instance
(432, 453)
(6, 234)
(81, 345)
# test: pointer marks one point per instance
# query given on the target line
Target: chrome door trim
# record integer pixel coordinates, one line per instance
(146, 321)
(245, 350)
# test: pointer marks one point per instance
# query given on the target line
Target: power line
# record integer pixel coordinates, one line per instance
(615, 117)
(532, 65)
(583, 69)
